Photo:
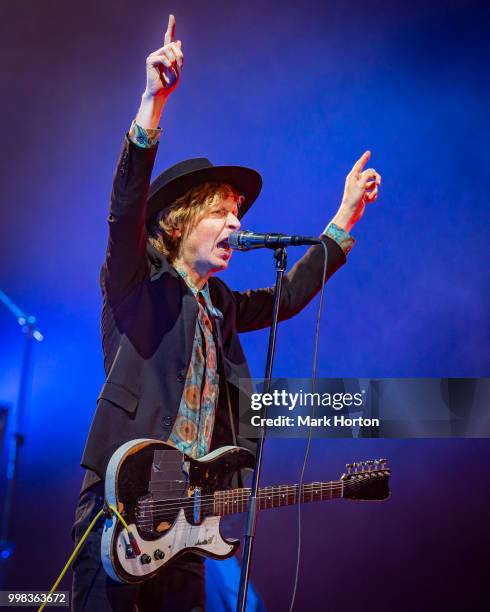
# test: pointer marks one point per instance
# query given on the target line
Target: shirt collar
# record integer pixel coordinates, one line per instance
(188, 279)
(204, 291)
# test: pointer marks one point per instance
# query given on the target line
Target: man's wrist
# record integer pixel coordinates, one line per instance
(150, 110)
(344, 220)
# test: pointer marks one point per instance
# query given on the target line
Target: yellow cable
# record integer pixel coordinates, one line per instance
(120, 518)
(78, 546)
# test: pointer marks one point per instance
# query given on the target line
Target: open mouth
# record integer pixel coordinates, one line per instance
(224, 244)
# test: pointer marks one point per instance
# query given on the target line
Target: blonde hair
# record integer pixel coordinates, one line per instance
(185, 213)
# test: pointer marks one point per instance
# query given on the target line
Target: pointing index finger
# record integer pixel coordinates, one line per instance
(362, 161)
(170, 33)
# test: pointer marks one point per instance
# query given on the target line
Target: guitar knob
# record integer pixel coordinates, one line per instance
(144, 559)
(158, 554)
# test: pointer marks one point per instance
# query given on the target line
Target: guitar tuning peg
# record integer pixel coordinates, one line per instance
(349, 467)
(369, 464)
(362, 465)
(383, 463)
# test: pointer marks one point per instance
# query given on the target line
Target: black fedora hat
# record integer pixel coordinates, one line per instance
(178, 179)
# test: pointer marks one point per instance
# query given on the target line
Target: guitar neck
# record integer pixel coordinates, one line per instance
(234, 501)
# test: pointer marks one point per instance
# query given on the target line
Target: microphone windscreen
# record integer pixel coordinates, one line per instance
(234, 240)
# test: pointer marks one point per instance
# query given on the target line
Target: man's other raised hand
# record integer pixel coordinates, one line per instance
(164, 66)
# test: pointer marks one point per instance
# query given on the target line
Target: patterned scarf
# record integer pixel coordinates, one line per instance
(193, 428)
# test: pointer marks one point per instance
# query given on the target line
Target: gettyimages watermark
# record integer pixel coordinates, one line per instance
(309, 401)
(368, 408)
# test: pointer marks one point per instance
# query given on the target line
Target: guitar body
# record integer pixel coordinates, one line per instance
(166, 498)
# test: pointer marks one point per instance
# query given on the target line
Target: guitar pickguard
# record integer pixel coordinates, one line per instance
(203, 539)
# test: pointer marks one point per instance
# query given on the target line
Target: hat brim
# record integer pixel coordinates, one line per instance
(246, 181)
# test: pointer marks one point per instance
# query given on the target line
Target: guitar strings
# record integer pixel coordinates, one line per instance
(333, 486)
(148, 521)
(245, 493)
(188, 502)
(179, 523)
(176, 527)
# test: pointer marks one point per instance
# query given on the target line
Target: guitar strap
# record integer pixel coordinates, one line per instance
(217, 318)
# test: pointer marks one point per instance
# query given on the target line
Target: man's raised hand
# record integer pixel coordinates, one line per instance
(361, 187)
(163, 66)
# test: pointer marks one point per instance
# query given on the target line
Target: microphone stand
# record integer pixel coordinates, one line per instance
(31, 333)
(280, 256)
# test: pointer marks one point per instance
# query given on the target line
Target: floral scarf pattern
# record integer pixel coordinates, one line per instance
(193, 427)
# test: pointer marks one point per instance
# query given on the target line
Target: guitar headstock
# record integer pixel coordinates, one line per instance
(366, 480)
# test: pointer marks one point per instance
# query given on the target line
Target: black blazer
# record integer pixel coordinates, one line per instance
(149, 318)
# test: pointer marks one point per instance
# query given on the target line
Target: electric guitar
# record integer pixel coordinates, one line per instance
(173, 504)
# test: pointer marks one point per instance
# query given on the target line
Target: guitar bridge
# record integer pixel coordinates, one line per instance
(144, 514)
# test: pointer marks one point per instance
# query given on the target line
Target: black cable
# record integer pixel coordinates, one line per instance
(308, 444)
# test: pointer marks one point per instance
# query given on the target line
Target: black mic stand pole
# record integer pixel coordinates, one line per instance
(280, 256)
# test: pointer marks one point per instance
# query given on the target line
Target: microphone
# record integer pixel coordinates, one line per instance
(246, 241)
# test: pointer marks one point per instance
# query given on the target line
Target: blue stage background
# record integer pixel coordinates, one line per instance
(298, 91)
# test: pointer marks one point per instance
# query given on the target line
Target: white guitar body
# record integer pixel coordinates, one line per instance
(130, 468)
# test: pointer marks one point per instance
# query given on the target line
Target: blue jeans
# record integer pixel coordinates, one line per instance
(178, 587)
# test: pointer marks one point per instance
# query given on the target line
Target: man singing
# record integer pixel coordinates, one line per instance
(170, 328)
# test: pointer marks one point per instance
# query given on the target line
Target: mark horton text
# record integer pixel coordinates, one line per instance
(308, 421)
